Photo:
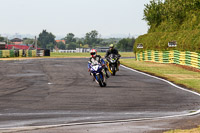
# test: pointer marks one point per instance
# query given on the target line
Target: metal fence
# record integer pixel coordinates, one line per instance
(177, 57)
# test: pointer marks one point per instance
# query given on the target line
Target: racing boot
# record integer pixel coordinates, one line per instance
(118, 64)
(93, 78)
(107, 76)
(105, 70)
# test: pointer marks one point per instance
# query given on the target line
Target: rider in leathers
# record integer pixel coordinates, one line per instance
(96, 59)
(114, 51)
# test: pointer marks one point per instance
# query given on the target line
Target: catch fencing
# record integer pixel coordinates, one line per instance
(17, 53)
(177, 57)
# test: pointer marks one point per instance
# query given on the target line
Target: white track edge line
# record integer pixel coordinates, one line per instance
(181, 88)
(6, 130)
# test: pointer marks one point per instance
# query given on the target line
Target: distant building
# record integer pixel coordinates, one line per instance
(60, 41)
(16, 41)
(82, 50)
(2, 45)
(22, 47)
(102, 49)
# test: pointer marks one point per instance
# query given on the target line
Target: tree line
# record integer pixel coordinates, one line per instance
(91, 40)
(172, 15)
(171, 20)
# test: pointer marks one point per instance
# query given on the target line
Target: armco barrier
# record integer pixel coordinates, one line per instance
(178, 57)
(22, 53)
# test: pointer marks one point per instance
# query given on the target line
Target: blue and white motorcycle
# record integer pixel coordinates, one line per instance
(99, 74)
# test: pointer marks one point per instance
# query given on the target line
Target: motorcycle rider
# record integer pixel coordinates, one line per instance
(114, 51)
(96, 59)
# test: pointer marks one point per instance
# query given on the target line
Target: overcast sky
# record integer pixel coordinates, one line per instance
(108, 17)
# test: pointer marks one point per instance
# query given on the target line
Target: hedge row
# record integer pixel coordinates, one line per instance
(186, 41)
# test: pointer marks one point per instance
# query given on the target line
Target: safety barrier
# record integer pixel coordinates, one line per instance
(40, 53)
(177, 57)
(17, 53)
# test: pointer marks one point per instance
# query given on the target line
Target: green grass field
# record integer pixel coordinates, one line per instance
(54, 54)
(195, 130)
(173, 73)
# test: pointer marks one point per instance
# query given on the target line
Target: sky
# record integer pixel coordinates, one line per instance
(60, 17)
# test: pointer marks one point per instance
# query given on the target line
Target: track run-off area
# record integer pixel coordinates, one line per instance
(50, 92)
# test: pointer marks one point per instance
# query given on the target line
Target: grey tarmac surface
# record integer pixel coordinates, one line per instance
(61, 91)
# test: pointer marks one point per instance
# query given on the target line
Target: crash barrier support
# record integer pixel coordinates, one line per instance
(174, 56)
(17, 53)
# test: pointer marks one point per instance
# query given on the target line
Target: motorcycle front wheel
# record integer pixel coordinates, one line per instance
(101, 82)
(113, 70)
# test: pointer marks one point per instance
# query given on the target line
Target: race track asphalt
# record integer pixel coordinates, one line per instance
(42, 92)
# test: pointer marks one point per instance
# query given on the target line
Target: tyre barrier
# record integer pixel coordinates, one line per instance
(43, 52)
(174, 56)
(40, 53)
(17, 53)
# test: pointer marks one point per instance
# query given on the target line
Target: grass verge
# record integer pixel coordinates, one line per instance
(173, 73)
(54, 54)
(68, 55)
(195, 130)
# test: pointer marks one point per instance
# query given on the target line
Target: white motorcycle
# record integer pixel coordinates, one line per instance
(99, 74)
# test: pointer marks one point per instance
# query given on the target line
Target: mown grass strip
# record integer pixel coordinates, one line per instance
(178, 75)
(55, 54)
(195, 130)
(67, 55)
(173, 73)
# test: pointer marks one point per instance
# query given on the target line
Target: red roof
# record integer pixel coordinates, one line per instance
(60, 41)
(17, 43)
(17, 47)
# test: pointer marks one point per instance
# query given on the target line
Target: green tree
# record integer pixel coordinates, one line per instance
(46, 38)
(153, 12)
(70, 38)
(126, 44)
(172, 15)
(85, 46)
(79, 43)
(71, 46)
(1, 39)
(50, 46)
(91, 38)
(28, 41)
(61, 45)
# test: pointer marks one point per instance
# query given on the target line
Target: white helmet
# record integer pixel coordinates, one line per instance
(93, 53)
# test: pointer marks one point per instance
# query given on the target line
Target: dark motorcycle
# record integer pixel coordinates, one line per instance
(112, 62)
